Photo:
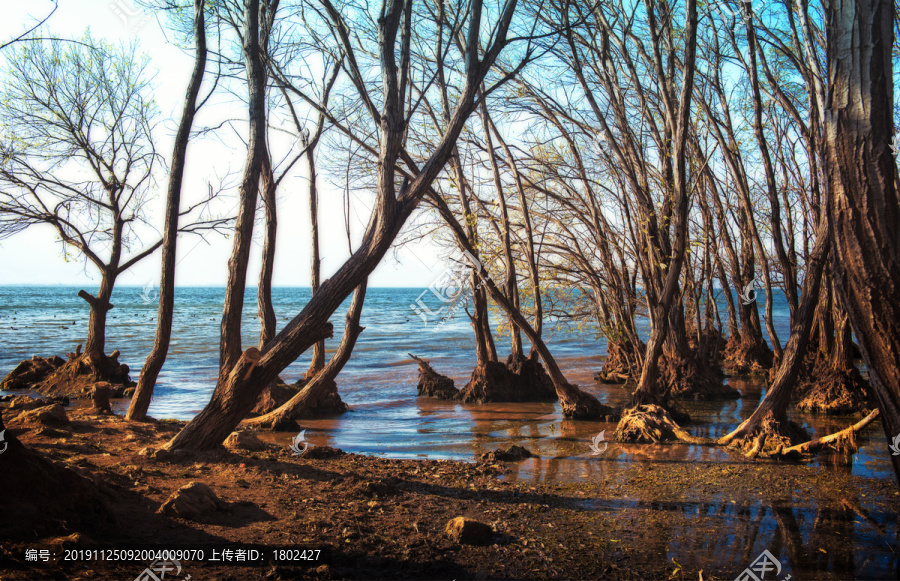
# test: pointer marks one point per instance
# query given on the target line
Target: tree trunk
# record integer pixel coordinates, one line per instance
(863, 205)
(283, 416)
(230, 336)
(318, 358)
(266, 310)
(94, 347)
(140, 402)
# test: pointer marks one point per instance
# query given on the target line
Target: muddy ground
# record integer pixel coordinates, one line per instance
(375, 518)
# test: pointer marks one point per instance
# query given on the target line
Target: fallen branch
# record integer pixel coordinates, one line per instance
(813, 446)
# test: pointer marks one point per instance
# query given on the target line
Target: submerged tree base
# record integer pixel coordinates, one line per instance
(691, 379)
(432, 383)
(836, 391)
(622, 363)
(747, 358)
(521, 379)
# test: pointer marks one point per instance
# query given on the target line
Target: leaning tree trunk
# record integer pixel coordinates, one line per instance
(769, 420)
(140, 402)
(863, 205)
(240, 384)
(282, 418)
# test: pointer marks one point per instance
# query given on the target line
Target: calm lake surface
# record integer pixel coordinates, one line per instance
(387, 419)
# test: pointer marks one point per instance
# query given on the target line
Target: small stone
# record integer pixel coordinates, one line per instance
(244, 441)
(191, 501)
(468, 532)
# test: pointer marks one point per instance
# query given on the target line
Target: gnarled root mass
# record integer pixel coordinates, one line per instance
(521, 379)
(767, 437)
(835, 391)
(747, 358)
(432, 383)
(651, 423)
(77, 375)
(622, 363)
(31, 372)
(688, 378)
(278, 393)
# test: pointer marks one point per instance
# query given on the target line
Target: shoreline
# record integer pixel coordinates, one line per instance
(383, 518)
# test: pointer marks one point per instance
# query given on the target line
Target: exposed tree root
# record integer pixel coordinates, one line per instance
(432, 383)
(652, 423)
(766, 437)
(842, 442)
(77, 375)
(690, 379)
(747, 358)
(622, 363)
(835, 392)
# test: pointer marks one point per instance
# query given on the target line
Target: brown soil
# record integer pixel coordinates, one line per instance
(835, 392)
(385, 519)
(31, 372)
(747, 359)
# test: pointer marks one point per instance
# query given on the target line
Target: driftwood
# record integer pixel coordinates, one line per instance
(813, 446)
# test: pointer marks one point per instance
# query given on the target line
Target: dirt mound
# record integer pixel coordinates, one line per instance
(31, 372)
(511, 454)
(78, 375)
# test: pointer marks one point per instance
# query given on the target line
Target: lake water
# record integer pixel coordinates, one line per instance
(379, 381)
(386, 418)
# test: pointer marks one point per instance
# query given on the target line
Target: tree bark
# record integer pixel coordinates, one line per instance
(266, 310)
(318, 358)
(230, 335)
(863, 203)
(140, 401)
